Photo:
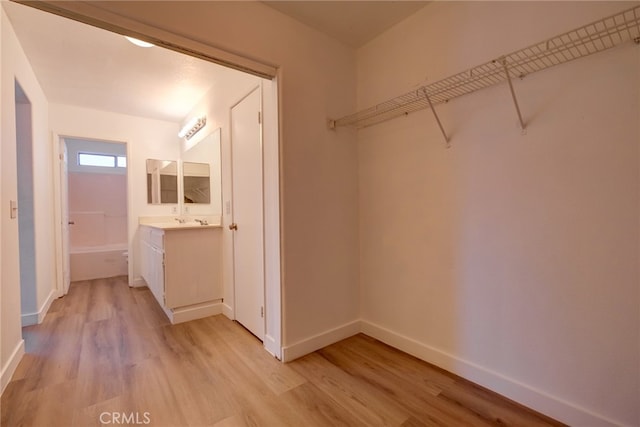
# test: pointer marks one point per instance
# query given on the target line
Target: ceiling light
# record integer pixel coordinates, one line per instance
(139, 42)
(192, 127)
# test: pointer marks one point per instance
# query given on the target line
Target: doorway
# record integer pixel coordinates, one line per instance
(272, 300)
(26, 221)
(96, 208)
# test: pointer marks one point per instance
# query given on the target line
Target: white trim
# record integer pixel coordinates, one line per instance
(28, 319)
(227, 310)
(47, 304)
(199, 311)
(10, 367)
(271, 345)
(271, 217)
(524, 394)
(316, 342)
(57, 213)
(36, 318)
(101, 17)
(138, 282)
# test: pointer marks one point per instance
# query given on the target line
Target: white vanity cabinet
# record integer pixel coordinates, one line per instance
(182, 266)
(152, 261)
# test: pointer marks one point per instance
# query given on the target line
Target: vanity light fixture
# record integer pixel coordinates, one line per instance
(192, 127)
(139, 42)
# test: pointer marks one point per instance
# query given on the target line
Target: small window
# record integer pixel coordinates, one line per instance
(102, 160)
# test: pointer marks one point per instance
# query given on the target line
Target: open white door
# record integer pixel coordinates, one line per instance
(64, 215)
(247, 201)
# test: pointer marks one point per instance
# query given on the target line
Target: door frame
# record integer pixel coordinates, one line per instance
(271, 208)
(90, 14)
(58, 141)
(58, 216)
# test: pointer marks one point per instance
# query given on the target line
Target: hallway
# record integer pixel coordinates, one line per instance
(106, 352)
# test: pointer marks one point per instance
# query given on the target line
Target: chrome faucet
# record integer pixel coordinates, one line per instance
(181, 220)
(202, 221)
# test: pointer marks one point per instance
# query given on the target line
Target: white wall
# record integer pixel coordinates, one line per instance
(16, 66)
(319, 166)
(145, 139)
(26, 219)
(510, 259)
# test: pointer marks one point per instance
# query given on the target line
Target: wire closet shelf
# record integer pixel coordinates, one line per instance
(592, 38)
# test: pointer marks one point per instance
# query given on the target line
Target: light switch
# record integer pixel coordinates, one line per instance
(13, 209)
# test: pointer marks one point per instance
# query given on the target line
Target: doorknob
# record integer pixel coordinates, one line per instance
(233, 226)
(71, 223)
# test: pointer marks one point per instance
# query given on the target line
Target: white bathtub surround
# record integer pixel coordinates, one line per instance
(96, 228)
(97, 262)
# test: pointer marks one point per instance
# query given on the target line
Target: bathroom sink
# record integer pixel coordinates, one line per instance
(177, 225)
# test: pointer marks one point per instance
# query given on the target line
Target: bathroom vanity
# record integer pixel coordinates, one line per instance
(182, 266)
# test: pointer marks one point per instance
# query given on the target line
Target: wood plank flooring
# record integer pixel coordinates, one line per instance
(106, 354)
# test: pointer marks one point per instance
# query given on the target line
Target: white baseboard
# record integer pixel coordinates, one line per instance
(29, 319)
(228, 311)
(10, 367)
(319, 341)
(138, 282)
(47, 305)
(522, 393)
(36, 318)
(186, 314)
(271, 346)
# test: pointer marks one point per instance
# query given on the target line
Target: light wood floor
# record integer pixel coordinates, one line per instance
(106, 348)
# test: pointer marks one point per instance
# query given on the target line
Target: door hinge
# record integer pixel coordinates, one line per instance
(259, 117)
(261, 311)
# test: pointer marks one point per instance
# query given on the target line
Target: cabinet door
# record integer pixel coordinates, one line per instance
(145, 261)
(156, 265)
(193, 266)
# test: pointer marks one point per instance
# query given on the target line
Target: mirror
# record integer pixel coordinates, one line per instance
(196, 185)
(202, 176)
(162, 181)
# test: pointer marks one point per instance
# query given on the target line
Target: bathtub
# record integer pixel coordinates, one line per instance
(97, 262)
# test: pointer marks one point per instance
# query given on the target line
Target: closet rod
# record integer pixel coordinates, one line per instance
(592, 38)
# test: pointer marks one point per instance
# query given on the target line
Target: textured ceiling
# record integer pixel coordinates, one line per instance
(81, 65)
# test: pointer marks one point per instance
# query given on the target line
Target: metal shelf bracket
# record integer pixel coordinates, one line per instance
(503, 61)
(433, 110)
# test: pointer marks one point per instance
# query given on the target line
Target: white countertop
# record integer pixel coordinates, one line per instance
(175, 225)
(171, 223)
